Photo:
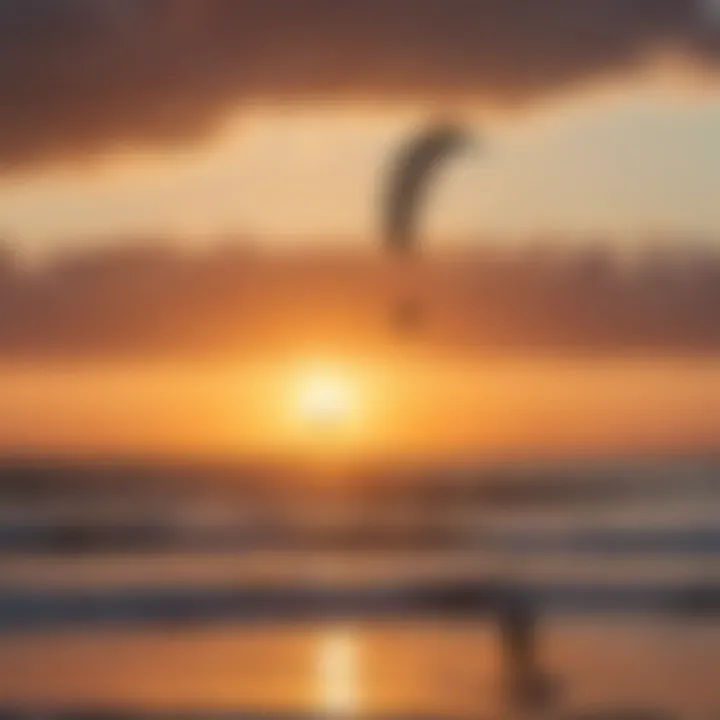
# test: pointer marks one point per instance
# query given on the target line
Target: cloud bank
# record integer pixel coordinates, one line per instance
(78, 77)
(138, 301)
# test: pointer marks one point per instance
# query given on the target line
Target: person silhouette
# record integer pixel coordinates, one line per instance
(527, 687)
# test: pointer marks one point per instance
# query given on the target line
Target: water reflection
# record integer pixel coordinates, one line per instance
(442, 670)
(338, 672)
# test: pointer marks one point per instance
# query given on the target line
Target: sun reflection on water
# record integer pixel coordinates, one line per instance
(338, 673)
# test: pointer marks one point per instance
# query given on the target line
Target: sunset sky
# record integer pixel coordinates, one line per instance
(191, 117)
(638, 161)
(125, 122)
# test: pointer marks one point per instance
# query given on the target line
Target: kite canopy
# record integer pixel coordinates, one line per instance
(412, 174)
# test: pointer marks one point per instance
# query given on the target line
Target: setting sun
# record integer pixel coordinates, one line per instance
(325, 397)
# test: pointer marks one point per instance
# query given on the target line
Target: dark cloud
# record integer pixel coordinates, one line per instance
(77, 76)
(139, 301)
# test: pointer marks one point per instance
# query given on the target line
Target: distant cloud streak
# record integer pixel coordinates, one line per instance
(79, 77)
(143, 301)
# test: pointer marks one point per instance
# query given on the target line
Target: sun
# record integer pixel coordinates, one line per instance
(325, 397)
(329, 410)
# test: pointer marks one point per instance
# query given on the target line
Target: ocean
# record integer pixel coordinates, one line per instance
(601, 565)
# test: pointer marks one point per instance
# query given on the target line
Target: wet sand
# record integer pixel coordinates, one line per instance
(425, 668)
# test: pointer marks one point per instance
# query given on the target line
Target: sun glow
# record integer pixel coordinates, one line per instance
(326, 398)
(330, 409)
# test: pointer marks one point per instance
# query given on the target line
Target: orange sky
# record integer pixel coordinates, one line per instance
(184, 121)
(493, 409)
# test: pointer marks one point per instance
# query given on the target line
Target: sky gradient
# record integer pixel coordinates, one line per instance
(192, 118)
(155, 155)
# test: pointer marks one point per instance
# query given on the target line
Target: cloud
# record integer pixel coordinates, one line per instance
(80, 76)
(137, 301)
